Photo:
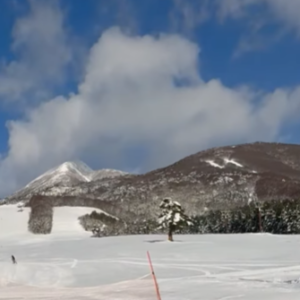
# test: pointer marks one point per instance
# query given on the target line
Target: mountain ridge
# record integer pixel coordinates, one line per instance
(63, 176)
(220, 177)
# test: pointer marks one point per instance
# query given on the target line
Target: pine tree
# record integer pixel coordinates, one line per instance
(172, 217)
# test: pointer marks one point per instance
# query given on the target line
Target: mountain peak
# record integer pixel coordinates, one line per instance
(209, 176)
(65, 167)
(62, 178)
(63, 172)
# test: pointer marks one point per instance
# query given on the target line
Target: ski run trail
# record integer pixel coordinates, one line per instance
(69, 264)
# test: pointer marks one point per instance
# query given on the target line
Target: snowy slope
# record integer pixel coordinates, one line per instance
(106, 173)
(211, 267)
(62, 179)
(65, 174)
(65, 222)
(71, 265)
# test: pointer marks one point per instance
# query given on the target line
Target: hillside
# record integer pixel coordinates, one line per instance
(65, 221)
(217, 178)
(60, 179)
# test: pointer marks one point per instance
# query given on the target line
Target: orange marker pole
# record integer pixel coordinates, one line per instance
(154, 277)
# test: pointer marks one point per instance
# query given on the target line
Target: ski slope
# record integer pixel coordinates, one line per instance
(65, 222)
(68, 264)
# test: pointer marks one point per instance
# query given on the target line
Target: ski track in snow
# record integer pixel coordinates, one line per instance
(52, 278)
(74, 263)
(68, 264)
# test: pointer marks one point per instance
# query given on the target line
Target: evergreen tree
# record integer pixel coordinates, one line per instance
(172, 217)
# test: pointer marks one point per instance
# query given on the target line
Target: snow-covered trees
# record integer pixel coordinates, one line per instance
(278, 217)
(99, 231)
(41, 216)
(172, 216)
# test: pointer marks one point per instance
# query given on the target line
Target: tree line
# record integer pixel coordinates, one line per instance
(277, 217)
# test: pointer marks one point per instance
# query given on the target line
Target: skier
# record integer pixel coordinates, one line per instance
(13, 260)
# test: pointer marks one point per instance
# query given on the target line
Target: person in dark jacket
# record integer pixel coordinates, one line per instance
(13, 260)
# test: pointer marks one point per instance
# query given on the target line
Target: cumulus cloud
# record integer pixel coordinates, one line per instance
(141, 92)
(42, 52)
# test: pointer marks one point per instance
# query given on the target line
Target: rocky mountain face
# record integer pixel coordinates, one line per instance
(216, 178)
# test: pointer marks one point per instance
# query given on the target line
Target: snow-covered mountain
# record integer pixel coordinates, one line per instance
(106, 173)
(217, 178)
(61, 179)
(65, 174)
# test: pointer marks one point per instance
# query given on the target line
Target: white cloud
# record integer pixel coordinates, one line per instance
(130, 96)
(194, 13)
(235, 8)
(283, 11)
(185, 16)
(42, 52)
(287, 12)
(256, 15)
(259, 14)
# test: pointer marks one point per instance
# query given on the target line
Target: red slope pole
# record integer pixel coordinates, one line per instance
(154, 277)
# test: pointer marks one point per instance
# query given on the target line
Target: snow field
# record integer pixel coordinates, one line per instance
(65, 223)
(68, 264)
(193, 267)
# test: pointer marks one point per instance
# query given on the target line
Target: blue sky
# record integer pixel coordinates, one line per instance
(98, 80)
